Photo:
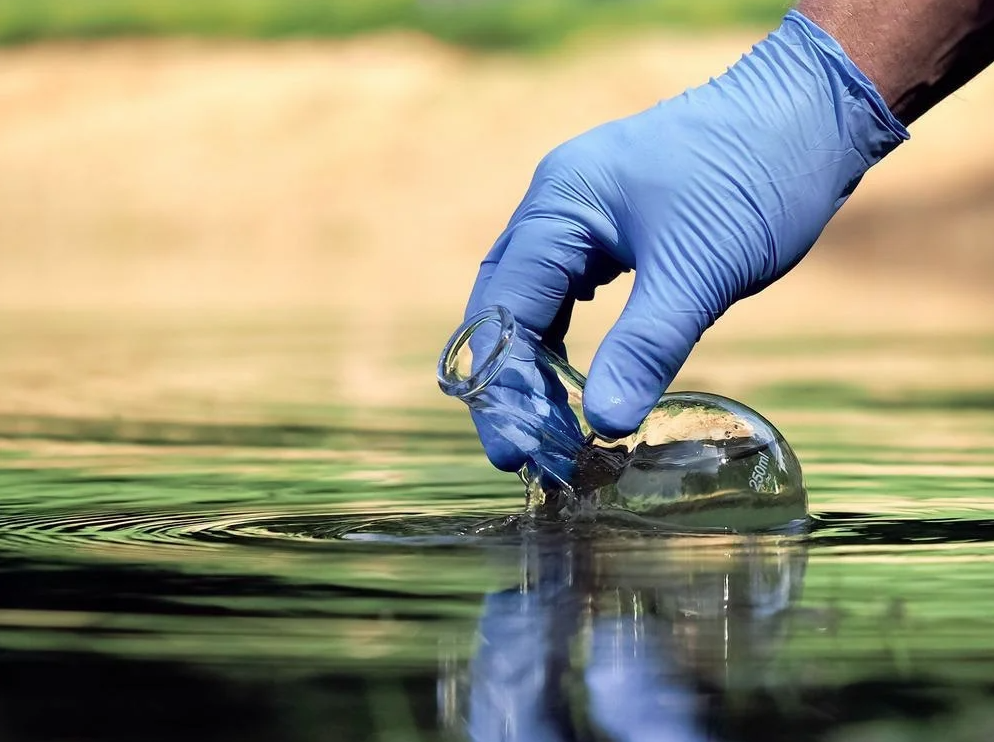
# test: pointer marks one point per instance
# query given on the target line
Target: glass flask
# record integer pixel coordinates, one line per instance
(697, 461)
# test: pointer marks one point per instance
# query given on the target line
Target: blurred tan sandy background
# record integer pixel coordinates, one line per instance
(357, 183)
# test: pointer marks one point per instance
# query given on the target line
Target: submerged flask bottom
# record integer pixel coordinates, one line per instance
(698, 461)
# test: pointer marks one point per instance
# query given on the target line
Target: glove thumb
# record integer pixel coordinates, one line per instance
(638, 359)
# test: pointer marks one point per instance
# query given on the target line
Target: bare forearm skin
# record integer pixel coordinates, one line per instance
(916, 52)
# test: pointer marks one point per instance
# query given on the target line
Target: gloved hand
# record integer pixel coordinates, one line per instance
(710, 197)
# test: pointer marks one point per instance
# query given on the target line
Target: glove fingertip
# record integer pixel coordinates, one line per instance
(612, 415)
(633, 367)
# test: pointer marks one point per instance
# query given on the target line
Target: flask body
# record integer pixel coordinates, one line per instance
(698, 460)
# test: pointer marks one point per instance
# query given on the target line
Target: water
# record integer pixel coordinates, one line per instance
(199, 541)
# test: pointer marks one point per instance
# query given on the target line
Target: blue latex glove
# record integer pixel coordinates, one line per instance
(710, 197)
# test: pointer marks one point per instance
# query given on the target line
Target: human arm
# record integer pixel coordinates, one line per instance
(715, 194)
(916, 52)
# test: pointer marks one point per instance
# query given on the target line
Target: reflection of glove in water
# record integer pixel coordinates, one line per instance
(517, 693)
(519, 688)
(520, 680)
(711, 196)
(633, 689)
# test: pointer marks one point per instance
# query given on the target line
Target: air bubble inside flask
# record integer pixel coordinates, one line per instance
(698, 461)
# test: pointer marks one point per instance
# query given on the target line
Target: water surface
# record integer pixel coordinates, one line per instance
(199, 541)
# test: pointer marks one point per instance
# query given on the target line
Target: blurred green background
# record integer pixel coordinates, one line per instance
(477, 23)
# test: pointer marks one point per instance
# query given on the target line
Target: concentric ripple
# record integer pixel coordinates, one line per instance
(305, 528)
(142, 533)
(302, 528)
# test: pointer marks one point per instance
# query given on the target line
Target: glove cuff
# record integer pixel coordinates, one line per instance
(874, 130)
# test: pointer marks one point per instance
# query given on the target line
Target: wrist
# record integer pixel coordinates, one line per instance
(916, 53)
(874, 129)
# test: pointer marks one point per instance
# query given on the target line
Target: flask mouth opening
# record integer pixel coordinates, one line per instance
(476, 352)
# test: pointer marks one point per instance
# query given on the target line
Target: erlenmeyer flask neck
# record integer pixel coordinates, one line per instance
(491, 350)
(476, 353)
(530, 398)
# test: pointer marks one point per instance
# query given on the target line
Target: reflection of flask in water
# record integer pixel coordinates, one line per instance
(698, 460)
(630, 640)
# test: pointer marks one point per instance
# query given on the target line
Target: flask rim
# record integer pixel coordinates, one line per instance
(456, 384)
